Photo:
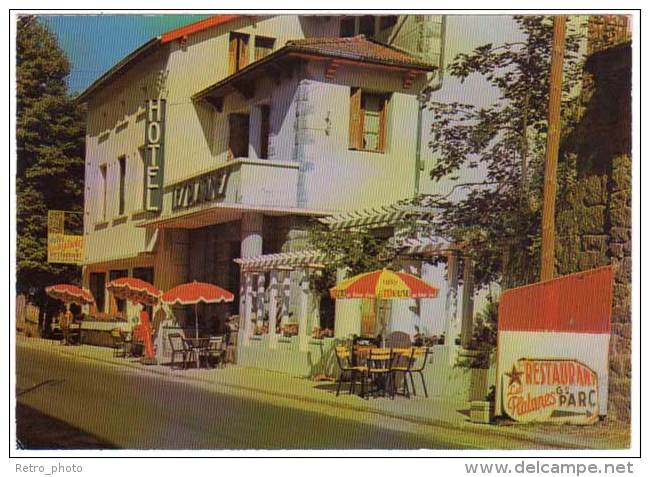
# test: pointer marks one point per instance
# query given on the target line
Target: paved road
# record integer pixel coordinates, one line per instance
(131, 409)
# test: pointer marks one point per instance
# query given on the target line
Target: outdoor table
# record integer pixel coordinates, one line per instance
(197, 347)
(360, 355)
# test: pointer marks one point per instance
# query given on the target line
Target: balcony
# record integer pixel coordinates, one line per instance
(225, 192)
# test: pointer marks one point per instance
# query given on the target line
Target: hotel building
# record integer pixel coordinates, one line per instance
(211, 148)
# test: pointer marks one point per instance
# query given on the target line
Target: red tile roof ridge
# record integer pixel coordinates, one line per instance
(326, 39)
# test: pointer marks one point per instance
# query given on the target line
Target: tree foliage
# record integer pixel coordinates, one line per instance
(50, 151)
(499, 217)
(354, 250)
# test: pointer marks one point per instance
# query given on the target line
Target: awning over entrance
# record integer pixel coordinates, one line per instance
(221, 213)
(280, 261)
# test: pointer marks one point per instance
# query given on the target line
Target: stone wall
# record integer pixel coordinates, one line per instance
(594, 205)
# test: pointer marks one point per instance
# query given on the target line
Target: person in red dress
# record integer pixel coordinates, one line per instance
(143, 332)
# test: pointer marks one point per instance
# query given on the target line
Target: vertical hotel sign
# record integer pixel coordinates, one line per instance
(155, 154)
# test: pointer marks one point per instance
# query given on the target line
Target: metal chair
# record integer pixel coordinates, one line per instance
(347, 369)
(215, 349)
(379, 370)
(119, 344)
(178, 346)
(418, 363)
(401, 367)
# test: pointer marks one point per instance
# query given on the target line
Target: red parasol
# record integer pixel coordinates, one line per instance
(195, 293)
(70, 294)
(134, 290)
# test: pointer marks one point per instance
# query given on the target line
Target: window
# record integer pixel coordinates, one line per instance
(104, 177)
(141, 179)
(347, 26)
(367, 26)
(121, 162)
(238, 140)
(98, 289)
(120, 305)
(265, 128)
(144, 273)
(387, 21)
(237, 52)
(263, 46)
(368, 120)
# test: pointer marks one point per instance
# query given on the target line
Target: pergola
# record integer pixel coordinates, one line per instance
(254, 290)
(279, 267)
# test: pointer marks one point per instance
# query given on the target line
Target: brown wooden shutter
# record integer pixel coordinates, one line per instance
(243, 52)
(356, 119)
(232, 55)
(383, 114)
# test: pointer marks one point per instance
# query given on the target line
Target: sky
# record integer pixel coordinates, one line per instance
(94, 43)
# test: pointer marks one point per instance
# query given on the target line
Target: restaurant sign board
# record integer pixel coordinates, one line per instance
(547, 390)
(553, 349)
(154, 142)
(62, 246)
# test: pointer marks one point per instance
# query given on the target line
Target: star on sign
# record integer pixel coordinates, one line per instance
(514, 375)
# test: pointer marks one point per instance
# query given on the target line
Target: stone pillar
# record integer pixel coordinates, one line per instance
(451, 306)
(403, 314)
(467, 322)
(251, 246)
(273, 309)
(347, 314)
(251, 234)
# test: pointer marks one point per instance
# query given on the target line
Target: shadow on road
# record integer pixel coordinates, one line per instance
(35, 430)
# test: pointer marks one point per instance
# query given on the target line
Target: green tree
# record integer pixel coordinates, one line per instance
(50, 150)
(355, 250)
(498, 218)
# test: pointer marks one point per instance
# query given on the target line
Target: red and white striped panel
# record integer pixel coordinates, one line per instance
(565, 318)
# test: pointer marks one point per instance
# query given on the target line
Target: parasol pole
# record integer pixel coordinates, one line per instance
(196, 319)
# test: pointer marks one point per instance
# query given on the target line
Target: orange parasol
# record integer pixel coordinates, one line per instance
(134, 290)
(70, 294)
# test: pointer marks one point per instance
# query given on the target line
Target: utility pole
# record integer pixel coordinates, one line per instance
(552, 148)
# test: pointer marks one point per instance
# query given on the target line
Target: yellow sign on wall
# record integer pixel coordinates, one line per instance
(62, 247)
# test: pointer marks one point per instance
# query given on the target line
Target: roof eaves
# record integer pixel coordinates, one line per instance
(197, 27)
(117, 68)
(243, 72)
(292, 48)
(355, 57)
(149, 45)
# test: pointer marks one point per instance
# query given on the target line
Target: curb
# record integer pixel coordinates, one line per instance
(537, 440)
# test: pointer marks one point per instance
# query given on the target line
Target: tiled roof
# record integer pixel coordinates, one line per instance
(197, 27)
(357, 48)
